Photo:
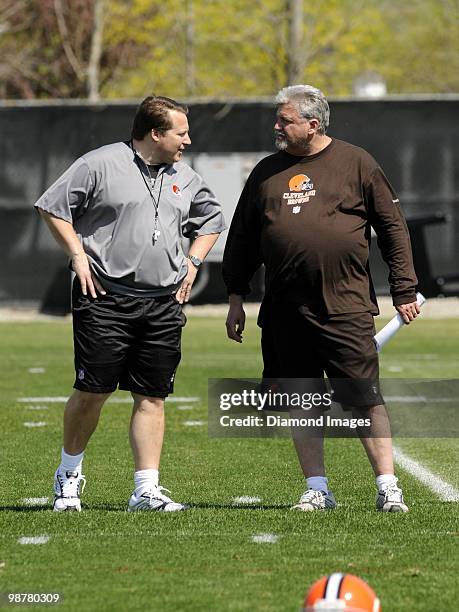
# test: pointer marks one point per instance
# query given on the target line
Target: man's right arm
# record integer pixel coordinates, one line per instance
(66, 237)
(242, 256)
(63, 202)
(235, 321)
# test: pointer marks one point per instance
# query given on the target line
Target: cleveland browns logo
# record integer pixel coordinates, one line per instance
(301, 188)
(298, 182)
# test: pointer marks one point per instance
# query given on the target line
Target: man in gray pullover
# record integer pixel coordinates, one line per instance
(120, 213)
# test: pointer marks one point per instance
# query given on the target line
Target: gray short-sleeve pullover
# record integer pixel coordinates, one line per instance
(106, 198)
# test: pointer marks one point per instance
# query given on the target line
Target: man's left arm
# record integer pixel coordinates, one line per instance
(199, 249)
(205, 223)
(386, 217)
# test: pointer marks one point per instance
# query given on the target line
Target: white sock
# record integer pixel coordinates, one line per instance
(384, 480)
(71, 463)
(318, 483)
(145, 479)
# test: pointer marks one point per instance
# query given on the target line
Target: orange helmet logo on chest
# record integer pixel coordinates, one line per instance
(298, 182)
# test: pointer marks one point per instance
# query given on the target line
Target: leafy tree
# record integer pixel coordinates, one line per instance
(216, 48)
(423, 55)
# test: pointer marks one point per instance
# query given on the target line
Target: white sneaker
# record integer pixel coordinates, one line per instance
(315, 500)
(68, 487)
(154, 500)
(391, 500)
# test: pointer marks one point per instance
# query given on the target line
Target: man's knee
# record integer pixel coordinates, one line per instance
(87, 400)
(147, 403)
(357, 412)
(365, 411)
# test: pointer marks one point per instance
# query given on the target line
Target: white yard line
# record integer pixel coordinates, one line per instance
(59, 399)
(35, 501)
(265, 538)
(43, 539)
(44, 400)
(182, 400)
(245, 499)
(35, 424)
(194, 423)
(173, 399)
(417, 399)
(36, 407)
(445, 491)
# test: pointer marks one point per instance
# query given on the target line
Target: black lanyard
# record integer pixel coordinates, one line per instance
(150, 187)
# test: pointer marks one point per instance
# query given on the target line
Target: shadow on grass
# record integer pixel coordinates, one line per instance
(123, 507)
(240, 506)
(48, 508)
(196, 506)
(24, 508)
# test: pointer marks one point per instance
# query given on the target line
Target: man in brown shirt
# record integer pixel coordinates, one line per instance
(306, 213)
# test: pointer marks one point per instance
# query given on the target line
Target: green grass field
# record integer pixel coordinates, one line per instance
(204, 559)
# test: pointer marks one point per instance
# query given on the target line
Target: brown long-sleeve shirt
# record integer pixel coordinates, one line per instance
(308, 220)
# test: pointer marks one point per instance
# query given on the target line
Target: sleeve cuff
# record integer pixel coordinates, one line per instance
(238, 290)
(48, 209)
(404, 298)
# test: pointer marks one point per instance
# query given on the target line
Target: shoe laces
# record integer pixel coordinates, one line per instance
(312, 495)
(393, 493)
(71, 486)
(157, 493)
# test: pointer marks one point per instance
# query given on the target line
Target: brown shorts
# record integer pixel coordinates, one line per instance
(299, 344)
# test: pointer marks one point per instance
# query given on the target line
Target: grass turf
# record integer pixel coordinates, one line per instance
(205, 559)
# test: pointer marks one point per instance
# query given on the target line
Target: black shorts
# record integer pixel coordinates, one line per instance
(301, 345)
(130, 342)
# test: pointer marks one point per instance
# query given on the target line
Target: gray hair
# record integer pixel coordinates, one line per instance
(309, 101)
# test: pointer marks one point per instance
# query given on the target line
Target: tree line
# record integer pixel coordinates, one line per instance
(223, 48)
